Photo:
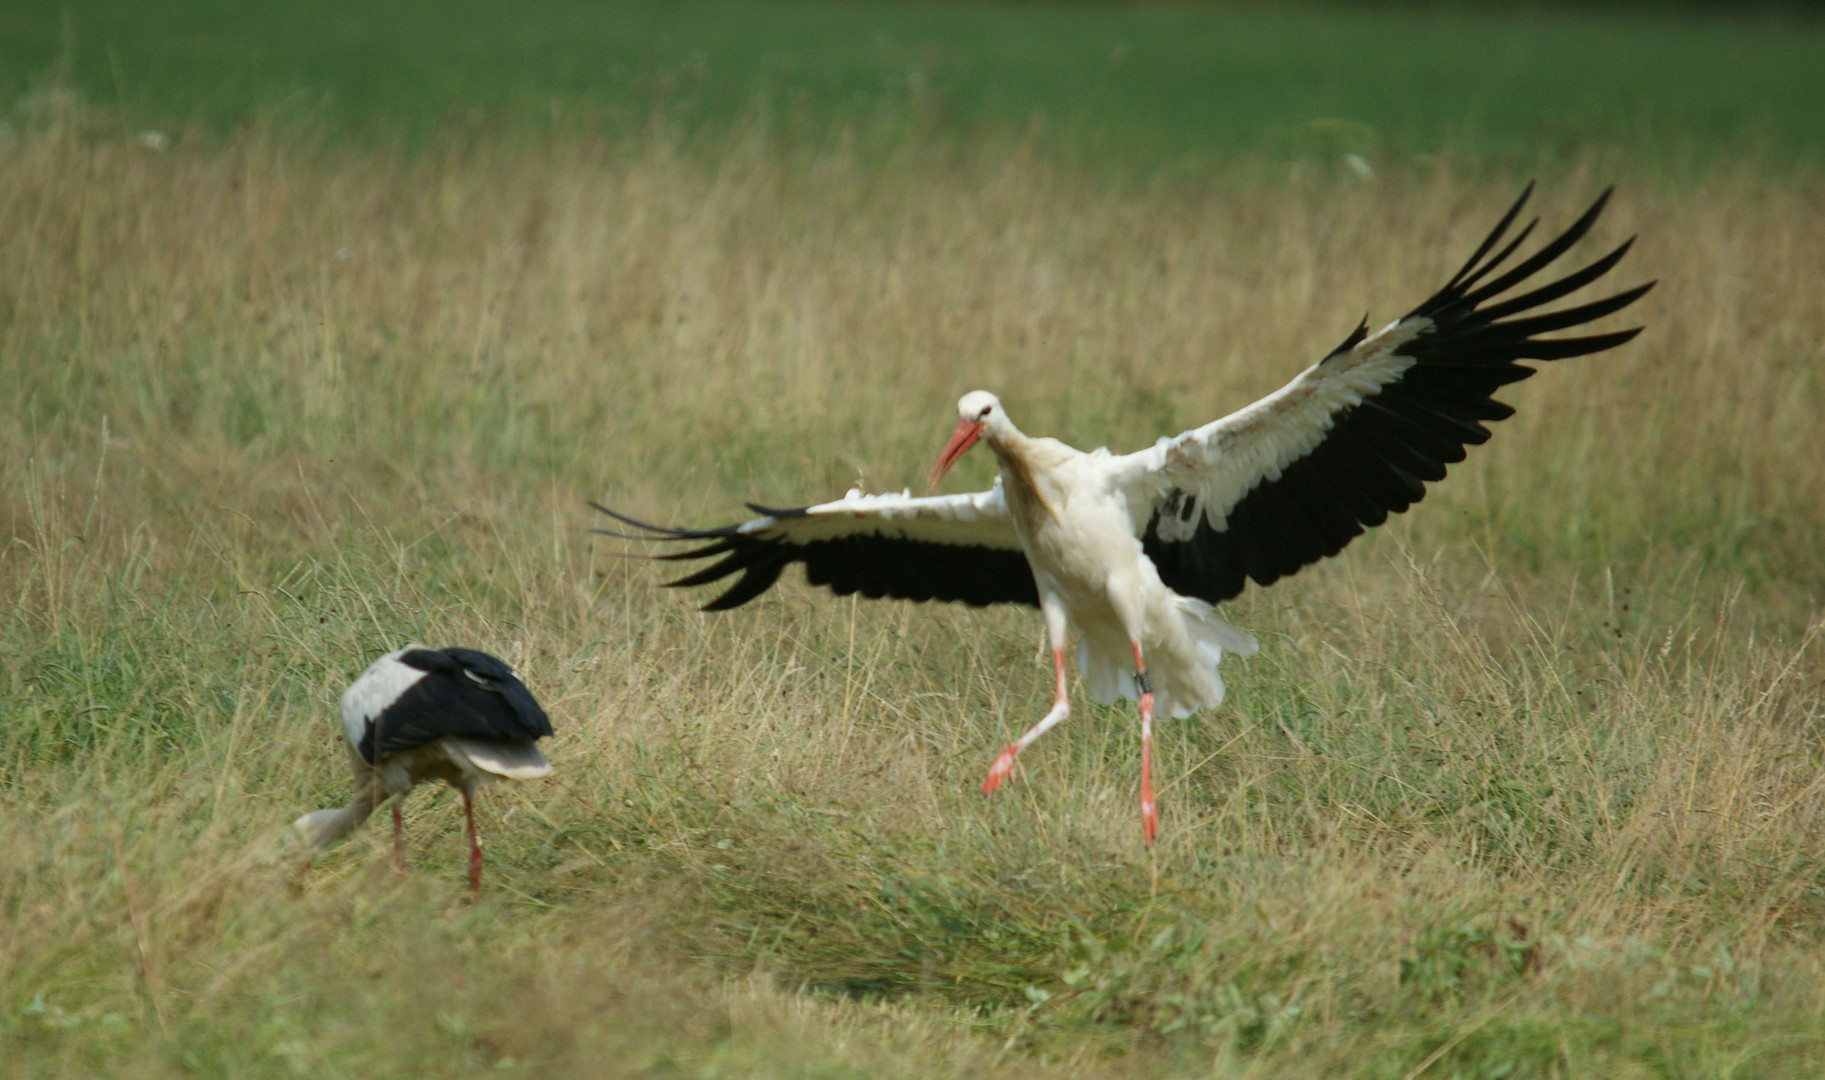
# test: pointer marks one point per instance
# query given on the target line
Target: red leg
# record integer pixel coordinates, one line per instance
(1150, 822)
(475, 848)
(1061, 708)
(399, 836)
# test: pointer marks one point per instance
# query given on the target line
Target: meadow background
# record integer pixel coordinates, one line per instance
(320, 324)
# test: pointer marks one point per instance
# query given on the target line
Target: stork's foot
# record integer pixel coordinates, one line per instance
(1000, 770)
(1061, 708)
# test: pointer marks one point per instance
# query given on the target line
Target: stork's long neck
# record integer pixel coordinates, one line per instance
(1023, 464)
(322, 828)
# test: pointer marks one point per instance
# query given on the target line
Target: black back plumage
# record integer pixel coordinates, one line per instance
(464, 692)
(1379, 455)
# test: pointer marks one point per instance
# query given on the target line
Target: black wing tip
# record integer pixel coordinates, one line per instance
(1611, 339)
(620, 535)
(1459, 288)
(1589, 217)
(656, 532)
(1353, 339)
(659, 532)
(1473, 305)
(1513, 213)
(716, 571)
(1464, 277)
(756, 578)
(1635, 293)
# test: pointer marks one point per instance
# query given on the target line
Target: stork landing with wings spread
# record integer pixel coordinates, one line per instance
(1133, 549)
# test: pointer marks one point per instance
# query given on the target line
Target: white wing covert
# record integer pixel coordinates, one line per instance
(1296, 476)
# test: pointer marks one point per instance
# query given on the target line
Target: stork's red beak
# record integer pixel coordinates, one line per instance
(968, 431)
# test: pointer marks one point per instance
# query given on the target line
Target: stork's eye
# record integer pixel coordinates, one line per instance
(986, 410)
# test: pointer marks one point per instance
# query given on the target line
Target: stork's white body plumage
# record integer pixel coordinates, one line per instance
(1076, 523)
(1132, 550)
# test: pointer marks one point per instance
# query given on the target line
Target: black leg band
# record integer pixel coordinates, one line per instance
(1142, 684)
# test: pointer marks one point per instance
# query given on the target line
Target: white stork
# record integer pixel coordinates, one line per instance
(1133, 549)
(419, 714)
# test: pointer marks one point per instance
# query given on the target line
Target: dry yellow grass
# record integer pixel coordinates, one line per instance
(1528, 780)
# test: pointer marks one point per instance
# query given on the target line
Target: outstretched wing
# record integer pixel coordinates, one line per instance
(950, 547)
(1357, 436)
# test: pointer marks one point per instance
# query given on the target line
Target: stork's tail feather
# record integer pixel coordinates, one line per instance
(1212, 636)
(1213, 631)
(1179, 689)
(513, 759)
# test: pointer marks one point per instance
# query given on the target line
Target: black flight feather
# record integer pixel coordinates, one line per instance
(1379, 455)
(873, 564)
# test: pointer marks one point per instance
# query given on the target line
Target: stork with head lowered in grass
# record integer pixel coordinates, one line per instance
(419, 714)
(1133, 549)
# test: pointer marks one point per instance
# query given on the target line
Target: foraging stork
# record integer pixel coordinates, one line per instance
(1133, 549)
(419, 714)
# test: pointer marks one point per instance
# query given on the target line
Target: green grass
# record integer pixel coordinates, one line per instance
(1133, 85)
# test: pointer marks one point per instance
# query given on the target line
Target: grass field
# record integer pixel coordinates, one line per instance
(1526, 783)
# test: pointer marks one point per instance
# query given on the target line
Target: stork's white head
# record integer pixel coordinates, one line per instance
(978, 413)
